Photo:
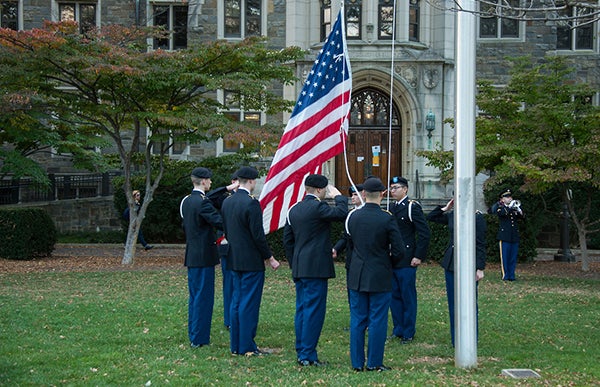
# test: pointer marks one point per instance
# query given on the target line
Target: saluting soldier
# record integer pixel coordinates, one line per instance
(445, 215)
(376, 247)
(243, 222)
(509, 212)
(307, 242)
(200, 218)
(416, 235)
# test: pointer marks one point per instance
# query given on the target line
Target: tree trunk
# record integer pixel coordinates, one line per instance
(585, 261)
(131, 241)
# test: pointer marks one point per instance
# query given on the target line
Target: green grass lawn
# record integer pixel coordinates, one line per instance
(129, 328)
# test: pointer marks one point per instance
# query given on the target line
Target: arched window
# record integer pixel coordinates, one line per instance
(371, 108)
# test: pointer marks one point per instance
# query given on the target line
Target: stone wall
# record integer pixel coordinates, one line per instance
(90, 214)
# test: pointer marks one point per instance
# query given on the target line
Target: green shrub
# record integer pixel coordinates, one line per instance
(27, 233)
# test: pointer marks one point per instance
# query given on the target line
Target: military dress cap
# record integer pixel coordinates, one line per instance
(316, 181)
(399, 180)
(359, 188)
(247, 173)
(202, 173)
(506, 193)
(373, 184)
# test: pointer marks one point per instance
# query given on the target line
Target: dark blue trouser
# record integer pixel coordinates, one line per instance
(201, 285)
(368, 311)
(227, 291)
(508, 257)
(311, 300)
(450, 295)
(245, 308)
(404, 302)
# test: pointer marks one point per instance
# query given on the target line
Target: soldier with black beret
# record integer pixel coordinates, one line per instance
(249, 252)
(307, 244)
(200, 219)
(376, 247)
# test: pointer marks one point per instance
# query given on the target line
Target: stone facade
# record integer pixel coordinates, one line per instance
(420, 73)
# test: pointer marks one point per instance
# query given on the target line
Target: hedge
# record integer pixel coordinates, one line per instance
(27, 233)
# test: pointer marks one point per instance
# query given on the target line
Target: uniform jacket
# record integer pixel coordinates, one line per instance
(200, 218)
(447, 218)
(509, 227)
(376, 247)
(217, 197)
(307, 236)
(410, 229)
(243, 220)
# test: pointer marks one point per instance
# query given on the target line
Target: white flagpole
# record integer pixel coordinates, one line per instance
(464, 167)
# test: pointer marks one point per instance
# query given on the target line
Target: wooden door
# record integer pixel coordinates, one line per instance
(361, 159)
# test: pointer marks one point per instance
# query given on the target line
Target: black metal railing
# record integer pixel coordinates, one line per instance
(62, 187)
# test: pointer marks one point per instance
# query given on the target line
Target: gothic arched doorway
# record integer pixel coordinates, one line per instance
(369, 128)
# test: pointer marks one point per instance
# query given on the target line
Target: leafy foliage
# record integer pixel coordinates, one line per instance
(543, 130)
(27, 233)
(80, 90)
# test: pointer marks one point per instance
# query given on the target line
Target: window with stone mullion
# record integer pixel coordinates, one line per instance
(9, 15)
(83, 13)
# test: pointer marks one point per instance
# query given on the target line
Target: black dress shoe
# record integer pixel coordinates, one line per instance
(406, 340)
(380, 368)
(315, 363)
(197, 345)
(357, 369)
(258, 352)
(148, 247)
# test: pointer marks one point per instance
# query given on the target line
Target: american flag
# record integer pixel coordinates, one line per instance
(316, 131)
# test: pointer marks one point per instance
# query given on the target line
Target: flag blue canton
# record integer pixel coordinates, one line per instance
(330, 69)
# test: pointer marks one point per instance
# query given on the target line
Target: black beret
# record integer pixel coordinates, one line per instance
(359, 188)
(373, 184)
(399, 180)
(247, 173)
(505, 192)
(316, 181)
(234, 176)
(202, 173)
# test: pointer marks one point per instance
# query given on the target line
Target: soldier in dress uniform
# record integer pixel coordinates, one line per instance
(376, 247)
(200, 218)
(307, 243)
(250, 251)
(509, 212)
(416, 235)
(445, 215)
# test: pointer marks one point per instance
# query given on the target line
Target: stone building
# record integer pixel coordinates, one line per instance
(417, 67)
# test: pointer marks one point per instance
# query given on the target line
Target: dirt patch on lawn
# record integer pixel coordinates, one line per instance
(106, 257)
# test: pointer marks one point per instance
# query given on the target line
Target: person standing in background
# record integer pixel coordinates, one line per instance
(249, 251)
(416, 235)
(509, 212)
(307, 243)
(200, 219)
(137, 204)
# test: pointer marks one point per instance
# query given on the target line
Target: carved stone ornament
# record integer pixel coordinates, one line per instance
(409, 73)
(431, 77)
